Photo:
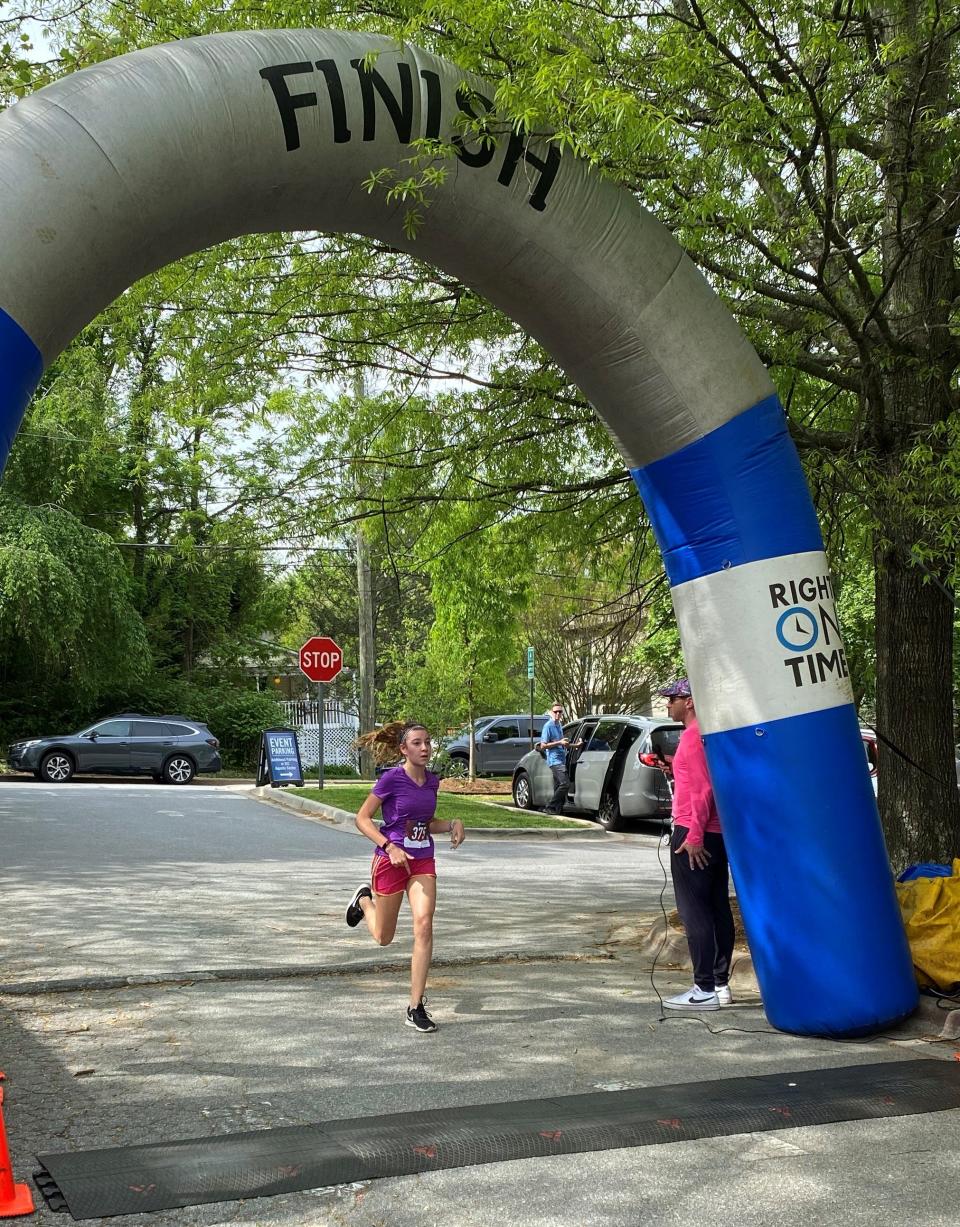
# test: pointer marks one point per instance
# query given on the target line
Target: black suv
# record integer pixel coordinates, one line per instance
(172, 749)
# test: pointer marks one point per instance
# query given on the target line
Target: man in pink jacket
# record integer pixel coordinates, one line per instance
(701, 874)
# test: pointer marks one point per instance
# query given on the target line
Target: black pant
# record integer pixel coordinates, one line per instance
(561, 786)
(703, 901)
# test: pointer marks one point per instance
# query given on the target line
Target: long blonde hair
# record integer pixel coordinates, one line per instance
(385, 742)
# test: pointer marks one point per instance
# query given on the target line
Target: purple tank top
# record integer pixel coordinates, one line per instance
(408, 809)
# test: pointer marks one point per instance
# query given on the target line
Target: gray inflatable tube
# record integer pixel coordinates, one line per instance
(120, 169)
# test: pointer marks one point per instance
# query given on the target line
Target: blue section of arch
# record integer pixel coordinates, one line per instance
(816, 892)
(812, 875)
(20, 369)
(737, 495)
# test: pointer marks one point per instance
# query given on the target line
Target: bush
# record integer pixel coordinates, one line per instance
(332, 771)
(237, 718)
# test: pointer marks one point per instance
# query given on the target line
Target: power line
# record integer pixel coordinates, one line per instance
(253, 549)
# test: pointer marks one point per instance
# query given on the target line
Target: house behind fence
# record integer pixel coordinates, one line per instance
(341, 727)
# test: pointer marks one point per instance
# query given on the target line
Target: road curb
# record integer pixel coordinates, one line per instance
(320, 811)
(316, 811)
(293, 971)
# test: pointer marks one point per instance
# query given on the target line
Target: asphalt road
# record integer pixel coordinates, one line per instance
(112, 879)
(132, 880)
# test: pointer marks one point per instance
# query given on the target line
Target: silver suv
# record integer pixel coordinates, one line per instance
(500, 742)
(613, 776)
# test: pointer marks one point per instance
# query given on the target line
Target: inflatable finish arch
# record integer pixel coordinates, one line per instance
(120, 169)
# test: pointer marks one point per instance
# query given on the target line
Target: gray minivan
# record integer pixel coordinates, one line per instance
(614, 775)
(500, 743)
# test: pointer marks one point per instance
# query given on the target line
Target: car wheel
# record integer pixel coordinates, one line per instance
(522, 794)
(608, 814)
(459, 768)
(178, 770)
(56, 768)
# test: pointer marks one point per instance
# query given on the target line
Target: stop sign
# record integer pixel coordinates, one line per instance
(320, 659)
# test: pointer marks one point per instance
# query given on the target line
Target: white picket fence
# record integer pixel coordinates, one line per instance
(340, 729)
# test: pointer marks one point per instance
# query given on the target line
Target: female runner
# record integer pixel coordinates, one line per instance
(403, 862)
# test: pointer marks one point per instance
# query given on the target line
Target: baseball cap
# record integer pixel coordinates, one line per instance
(680, 689)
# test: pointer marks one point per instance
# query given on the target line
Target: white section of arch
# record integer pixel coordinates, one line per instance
(763, 641)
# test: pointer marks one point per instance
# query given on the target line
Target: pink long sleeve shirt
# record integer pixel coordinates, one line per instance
(693, 803)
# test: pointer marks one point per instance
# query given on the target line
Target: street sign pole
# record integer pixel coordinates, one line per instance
(321, 660)
(320, 706)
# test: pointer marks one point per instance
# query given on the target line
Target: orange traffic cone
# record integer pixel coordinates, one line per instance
(14, 1198)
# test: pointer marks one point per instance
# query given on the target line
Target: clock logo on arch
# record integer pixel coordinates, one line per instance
(809, 632)
(798, 629)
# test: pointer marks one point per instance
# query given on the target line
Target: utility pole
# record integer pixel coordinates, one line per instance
(367, 659)
(367, 662)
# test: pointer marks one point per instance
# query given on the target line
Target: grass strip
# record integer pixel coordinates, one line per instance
(449, 805)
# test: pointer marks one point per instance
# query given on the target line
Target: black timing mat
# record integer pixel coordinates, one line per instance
(164, 1175)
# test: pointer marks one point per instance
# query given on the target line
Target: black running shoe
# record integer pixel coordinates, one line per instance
(354, 910)
(419, 1019)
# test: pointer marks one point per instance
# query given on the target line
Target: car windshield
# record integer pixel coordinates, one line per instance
(477, 726)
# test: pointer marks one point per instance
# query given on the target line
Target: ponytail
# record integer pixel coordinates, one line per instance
(385, 742)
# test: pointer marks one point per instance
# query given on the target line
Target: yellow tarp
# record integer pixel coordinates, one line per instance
(931, 915)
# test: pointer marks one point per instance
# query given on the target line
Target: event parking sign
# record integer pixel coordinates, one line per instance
(279, 759)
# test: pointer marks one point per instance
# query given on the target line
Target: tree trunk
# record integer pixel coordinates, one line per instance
(367, 656)
(472, 754)
(187, 664)
(908, 391)
(139, 440)
(139, 437)
(919, 801)
(189, 632)
(366, 650)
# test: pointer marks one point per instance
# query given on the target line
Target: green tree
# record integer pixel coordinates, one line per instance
(593, 623)
(806, 157)
(69, 632)
(478, 588)
(466, 662)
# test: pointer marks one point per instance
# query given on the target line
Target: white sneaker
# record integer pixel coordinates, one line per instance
(693, 1000)
(724, 996)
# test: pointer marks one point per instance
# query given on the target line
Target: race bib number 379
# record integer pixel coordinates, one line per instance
(416, 835)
